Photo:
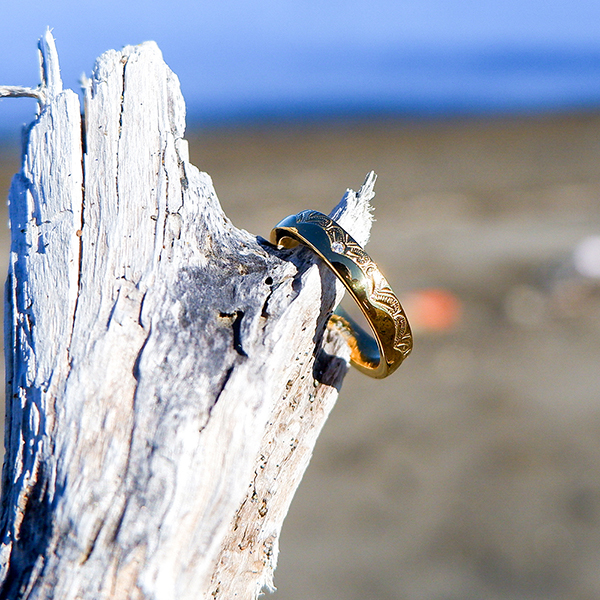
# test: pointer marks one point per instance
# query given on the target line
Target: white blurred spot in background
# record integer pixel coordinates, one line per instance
(587, 257)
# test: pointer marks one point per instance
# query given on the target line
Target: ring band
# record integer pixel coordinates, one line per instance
(377, 357)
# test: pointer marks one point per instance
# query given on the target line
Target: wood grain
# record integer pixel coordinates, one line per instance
(168, 374)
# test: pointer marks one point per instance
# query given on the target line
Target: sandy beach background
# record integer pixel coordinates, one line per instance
(474, 471)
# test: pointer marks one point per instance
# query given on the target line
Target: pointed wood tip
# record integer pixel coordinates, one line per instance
(354, 212)
(49, 66)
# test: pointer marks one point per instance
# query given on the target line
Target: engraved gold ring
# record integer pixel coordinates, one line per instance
(377, 357)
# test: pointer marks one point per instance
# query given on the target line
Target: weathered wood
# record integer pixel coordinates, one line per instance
(167, 373)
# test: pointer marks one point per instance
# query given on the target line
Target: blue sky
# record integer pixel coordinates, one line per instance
(241, 60)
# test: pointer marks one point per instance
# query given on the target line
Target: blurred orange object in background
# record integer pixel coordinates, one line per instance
(432, 309)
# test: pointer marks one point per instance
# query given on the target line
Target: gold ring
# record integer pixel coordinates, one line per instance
(377, 357)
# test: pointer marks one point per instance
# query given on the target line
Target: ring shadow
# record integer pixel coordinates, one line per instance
(328, 369)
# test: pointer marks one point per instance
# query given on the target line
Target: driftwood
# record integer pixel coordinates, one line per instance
(167, 373)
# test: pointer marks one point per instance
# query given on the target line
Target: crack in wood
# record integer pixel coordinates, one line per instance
(236, 327)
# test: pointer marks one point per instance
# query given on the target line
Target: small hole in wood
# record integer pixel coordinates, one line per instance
(269, 281)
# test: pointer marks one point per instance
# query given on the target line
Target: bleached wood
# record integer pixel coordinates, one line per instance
(168, 373)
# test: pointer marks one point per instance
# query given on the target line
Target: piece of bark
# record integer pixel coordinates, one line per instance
(167, 373)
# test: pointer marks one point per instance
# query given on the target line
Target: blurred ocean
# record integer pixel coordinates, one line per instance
(342, 82)
(269, 83)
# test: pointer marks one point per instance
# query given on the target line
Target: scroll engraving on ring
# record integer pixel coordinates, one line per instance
(380, 293)
(366, 284)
